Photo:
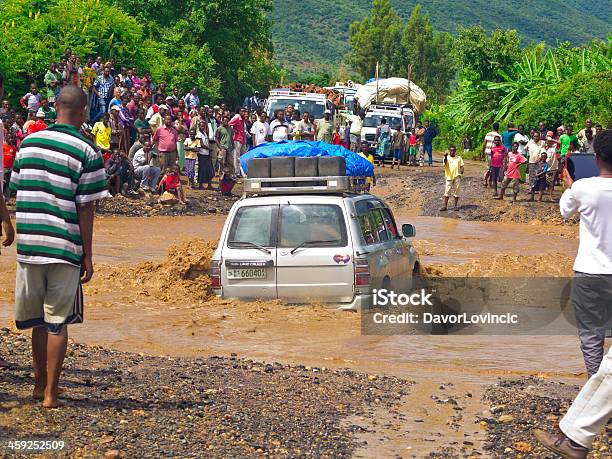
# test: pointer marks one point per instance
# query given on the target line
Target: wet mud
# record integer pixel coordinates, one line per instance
(151, 295)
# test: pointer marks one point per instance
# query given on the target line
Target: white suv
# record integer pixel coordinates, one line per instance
(307, 244)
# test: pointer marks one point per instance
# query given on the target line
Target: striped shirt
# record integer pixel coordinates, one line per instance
(55, 170)
(489, 138)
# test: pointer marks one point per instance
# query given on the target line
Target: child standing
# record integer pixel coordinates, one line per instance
(365, 152)
(399, 143)
(539, 183)
(192, 146)
(412, 143)
(513, 174)
(453, 170)
(499, 155)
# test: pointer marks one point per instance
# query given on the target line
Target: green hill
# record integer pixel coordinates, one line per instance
(312, 35)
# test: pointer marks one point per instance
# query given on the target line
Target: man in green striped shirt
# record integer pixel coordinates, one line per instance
(58, 175)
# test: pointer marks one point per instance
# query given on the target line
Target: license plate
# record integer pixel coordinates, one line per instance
(246, 273)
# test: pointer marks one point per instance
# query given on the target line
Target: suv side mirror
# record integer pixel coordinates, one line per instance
(408, 230)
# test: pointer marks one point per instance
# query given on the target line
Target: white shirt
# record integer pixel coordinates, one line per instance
(489, 138)
(259, 131)
(534, 150)
(150, 113)
(280, 130)
(139, 158)
(518, 137)
(592, 198)
(203, 143)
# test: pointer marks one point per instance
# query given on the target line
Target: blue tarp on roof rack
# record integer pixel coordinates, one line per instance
(356, 165)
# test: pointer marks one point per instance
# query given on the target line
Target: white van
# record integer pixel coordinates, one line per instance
(314, 242)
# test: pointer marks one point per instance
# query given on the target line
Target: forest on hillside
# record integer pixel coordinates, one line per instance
(478, 77)
(311, 36)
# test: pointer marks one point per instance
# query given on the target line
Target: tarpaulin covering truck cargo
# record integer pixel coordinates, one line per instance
(356, 165)
(398, 91)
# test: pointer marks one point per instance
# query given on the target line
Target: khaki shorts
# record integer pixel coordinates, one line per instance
(46, 295)
(516, 184)
(214, 151)
(452, 186)
(166, 159)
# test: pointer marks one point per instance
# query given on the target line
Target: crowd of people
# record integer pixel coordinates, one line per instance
(405, 147)
(149, 135)
(537, 157)
(513, 157)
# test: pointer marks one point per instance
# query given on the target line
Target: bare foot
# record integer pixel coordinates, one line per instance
(38, 393)
(51, 402)
(51, 399)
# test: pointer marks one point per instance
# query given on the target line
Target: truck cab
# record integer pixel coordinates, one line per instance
(313, 103)
(398, 118)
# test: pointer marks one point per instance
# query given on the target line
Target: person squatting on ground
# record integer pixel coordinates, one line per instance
(453, 170)
(147, 174)
(171, 183)
(54, 235)
(591, 293)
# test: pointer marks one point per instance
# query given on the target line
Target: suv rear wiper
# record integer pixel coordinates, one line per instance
(251, 245)
(305, 243)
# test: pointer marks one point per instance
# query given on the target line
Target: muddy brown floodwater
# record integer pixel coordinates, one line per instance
(130, 307)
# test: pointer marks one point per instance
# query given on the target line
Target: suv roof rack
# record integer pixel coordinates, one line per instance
(305, 185)
(299, 175)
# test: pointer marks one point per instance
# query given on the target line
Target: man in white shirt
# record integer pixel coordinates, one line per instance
(522, 139)
(533, 150)
(279, 127)
(260, 130)
(148, 175)
(591, 297)
(305, 127)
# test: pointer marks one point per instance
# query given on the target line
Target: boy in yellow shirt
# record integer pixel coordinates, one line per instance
(453, 170)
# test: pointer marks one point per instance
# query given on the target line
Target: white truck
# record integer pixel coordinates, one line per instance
(398, 118)
(313, 103)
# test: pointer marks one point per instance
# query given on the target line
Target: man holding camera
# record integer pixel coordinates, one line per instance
(591, 297)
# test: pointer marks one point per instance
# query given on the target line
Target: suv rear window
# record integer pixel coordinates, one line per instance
(301, 223)
(254, 224)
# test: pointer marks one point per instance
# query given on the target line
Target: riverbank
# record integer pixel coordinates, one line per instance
(134, 405)
(120, 404)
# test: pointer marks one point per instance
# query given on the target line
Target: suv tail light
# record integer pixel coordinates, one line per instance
(215, 273)
(362, 272)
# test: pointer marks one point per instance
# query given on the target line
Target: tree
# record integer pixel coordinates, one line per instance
(484, 55)
(36, 33)
(376, 38)
(383, 37)
(235, 37)
(429, 53)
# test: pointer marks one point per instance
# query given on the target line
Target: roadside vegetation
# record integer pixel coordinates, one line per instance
(225, 52)
(475, 78)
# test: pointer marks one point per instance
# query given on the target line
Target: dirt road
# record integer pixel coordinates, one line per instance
(143, 301)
